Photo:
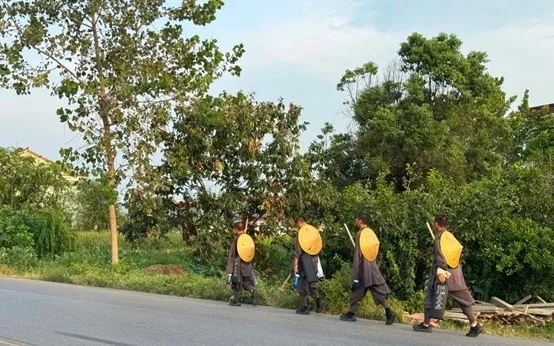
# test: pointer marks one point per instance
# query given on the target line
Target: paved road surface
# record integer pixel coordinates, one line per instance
(43, 313)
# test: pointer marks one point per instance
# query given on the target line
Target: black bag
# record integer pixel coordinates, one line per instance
(440, 295)
(308, 269)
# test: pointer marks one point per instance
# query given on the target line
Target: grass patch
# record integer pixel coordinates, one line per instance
(89, 265)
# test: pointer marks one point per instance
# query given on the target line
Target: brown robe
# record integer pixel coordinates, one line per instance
(370, 277)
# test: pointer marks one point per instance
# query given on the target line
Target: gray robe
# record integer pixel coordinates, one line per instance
(456, 281)
(245, 269)
(456, 284)
(363, 270)
(307, 264)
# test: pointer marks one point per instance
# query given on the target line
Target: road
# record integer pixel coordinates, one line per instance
(43, 313)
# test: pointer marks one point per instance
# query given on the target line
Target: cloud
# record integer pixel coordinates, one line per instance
(521, 54)
(325, 38)
(322, 39)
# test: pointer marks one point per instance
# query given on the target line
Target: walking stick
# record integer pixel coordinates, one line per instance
(282, 288)
(350, 235)
(430, 230)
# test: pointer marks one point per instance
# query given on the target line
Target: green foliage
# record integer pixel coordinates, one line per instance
(51, 231)
(92, 199)
(122, 77)
(274, 255)
(25, 184)
(439, 109)
(13, 230)
(44, 233)
(23, 258)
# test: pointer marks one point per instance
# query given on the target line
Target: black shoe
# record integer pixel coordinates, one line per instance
(391, 316)
(474, 331)
(303, 310)
(319, 305)
(422, 328)
(233, 302)
(255, 297)
(349, 316)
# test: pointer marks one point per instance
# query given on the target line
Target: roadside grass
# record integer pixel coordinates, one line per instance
(89, 265)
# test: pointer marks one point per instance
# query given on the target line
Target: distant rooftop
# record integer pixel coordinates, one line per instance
(550, 107)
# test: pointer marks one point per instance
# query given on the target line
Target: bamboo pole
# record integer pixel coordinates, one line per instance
(350, 235)
(430, 230)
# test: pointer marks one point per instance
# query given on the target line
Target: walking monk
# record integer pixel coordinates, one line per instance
(366, 276)
(305, 265)
(239, 265)
(446, 268)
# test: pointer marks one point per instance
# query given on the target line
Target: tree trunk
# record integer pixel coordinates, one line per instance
(111, 207)
(113, 231)
(108, 148)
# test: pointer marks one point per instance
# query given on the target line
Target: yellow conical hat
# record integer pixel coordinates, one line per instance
(369, 244)
(310, 239)
(245, 247)
(451, 249)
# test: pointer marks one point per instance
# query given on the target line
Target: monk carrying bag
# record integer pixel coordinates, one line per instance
(440, 295)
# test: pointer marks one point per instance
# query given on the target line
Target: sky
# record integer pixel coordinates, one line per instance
(299, 49)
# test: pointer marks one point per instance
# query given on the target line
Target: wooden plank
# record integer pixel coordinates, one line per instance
(454, 315)
(539, 306)
(541, 300)
(540, 312)
(480, 302)
(524, 300)
(501, 304)
(538, 320)
(483, 309)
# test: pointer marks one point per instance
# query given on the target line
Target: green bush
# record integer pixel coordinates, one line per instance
(18, 257)
(51, 231)
(14, 232)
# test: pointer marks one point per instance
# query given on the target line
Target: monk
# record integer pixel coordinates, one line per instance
(239, 273)
(454, 278)
(366, 276)
(305, 267)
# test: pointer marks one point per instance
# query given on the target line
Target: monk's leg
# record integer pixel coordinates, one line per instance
(302, 290)
(380, 295)
(427, 303)
(248, 285)
(314, 291)
(465, 302)
(355, 296)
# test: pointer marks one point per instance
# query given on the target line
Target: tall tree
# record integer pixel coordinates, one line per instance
(440, 109)
(120, 65)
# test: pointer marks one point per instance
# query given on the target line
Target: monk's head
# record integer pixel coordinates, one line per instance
(362, 220)
(239, 227)
(300, 222)
(440, 222)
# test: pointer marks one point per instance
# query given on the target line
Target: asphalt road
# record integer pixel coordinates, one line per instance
(43, 313)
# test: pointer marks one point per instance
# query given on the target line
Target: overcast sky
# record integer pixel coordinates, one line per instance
(298, 50)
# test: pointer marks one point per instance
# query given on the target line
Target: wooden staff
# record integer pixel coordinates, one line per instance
(282, 288)
(430, 230)
(350, 235)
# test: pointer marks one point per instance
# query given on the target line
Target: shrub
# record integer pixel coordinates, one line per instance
(14, 232)
(51, 231)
